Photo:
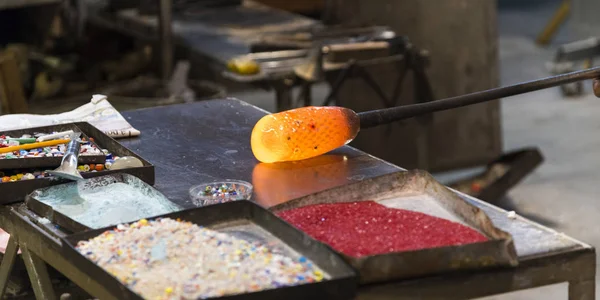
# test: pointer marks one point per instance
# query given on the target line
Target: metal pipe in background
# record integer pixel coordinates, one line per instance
(165, 19)
(387, 115)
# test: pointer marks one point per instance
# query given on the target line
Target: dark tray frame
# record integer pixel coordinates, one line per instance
(47, 162)
(65, 222)
(17, 191)
(498, 251)
(342, 285)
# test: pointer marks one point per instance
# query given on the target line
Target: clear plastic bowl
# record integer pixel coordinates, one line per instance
(213, 193)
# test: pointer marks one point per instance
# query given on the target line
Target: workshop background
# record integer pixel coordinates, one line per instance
(474, 45)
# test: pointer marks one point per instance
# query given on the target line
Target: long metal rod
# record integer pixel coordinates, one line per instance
(166, 38)
(388, 115)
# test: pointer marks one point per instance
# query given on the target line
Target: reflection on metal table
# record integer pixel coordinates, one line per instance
(199, 142)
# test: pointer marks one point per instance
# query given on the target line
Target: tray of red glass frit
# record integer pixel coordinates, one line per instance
(401, 225)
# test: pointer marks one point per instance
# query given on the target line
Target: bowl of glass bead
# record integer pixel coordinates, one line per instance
(220, 191)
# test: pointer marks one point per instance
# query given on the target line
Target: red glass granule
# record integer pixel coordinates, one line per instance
(368, 228)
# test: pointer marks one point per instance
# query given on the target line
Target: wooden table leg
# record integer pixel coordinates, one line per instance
(8, 261)
(38, 275)
(582, 290)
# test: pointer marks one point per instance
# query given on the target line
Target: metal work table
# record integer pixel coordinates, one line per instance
(211, 37)
(192, 143)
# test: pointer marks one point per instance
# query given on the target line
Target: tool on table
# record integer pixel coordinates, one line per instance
(19, 141)
(54, 136)
(68, 166)
(33, 145)
(311, 131)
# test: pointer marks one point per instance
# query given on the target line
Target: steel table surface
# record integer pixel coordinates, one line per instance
(211, 37)
(198, 142)
(215, 34)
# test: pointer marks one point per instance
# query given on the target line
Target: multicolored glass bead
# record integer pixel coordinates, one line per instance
(87, 148)
(220, 191)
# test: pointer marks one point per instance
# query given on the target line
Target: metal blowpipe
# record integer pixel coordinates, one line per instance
(311, 131)
(383, 116)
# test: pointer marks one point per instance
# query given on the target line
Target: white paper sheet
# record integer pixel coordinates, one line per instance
(99, 112)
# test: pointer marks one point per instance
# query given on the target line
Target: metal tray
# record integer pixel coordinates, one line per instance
(44, 209)
(12, 192)
(249, 221)
(501, 175)
(270, 64)
(46, 162)
(419, 191)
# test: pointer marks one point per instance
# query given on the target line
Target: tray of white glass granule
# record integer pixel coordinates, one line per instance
(234, 250)
(99, 202)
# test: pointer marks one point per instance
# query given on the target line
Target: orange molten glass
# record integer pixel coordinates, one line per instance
(303, 133)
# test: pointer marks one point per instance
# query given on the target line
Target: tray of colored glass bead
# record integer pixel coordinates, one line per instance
(400, 226)
(48, 156)
(37, 173)
(16, 183)
(236, 250)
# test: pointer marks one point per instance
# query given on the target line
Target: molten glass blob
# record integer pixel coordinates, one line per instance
(303, 133)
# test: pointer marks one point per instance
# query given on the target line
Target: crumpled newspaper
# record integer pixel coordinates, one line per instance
(99, 113)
